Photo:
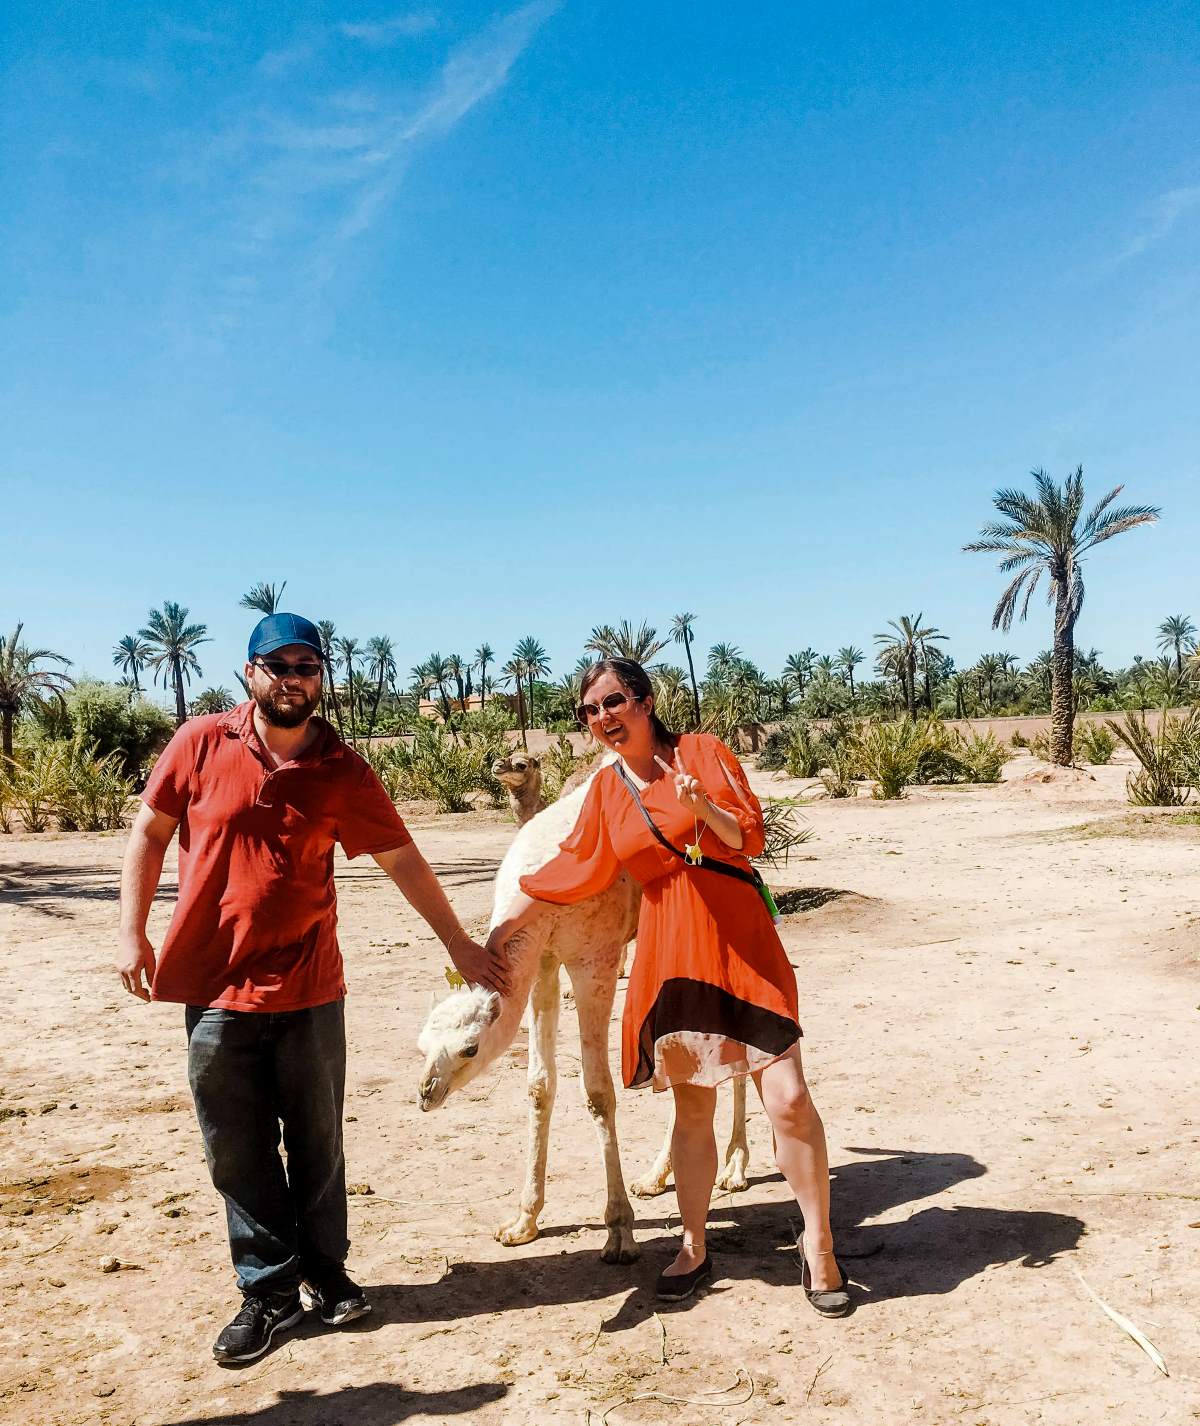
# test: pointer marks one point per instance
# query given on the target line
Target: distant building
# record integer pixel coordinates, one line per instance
(432, 707)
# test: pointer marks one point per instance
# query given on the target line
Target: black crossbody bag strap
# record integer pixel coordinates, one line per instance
(751, 877)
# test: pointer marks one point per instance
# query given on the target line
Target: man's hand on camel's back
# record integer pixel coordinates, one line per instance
(480, 965)
(687, 788)
(135, 958)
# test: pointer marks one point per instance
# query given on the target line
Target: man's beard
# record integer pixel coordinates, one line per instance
(285, 715)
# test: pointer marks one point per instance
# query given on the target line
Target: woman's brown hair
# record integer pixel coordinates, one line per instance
(636, 681)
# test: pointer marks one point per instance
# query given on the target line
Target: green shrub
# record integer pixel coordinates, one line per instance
(783, 831)
(1039, 746)
(91, 793)
(939, 759)
(32, 782)
(104, 715)
(806, 750)
(773, 757)
(1018, 739)
(981, 757)
(889, 753)
(1095, 744)
(839, 776)
(1166, 757)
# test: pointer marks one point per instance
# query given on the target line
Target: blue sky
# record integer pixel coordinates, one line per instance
(474, 323)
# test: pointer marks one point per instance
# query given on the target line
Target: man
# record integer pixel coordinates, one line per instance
(260, 796)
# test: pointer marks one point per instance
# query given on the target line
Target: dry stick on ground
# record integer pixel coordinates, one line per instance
(662, 1343)
(690, 1400)
(1126, 1326)
(812, 1386)
(41, 1252)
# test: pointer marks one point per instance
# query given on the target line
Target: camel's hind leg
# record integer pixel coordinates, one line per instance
(543, 1080)
(733, 1178)
(595, 985)
(656, 1179)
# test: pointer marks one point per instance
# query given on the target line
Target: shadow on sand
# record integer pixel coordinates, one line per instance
(929, 1253)
(378, 1403)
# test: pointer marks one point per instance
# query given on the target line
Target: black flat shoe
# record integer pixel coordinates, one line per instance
(680, 1285)
(828, 1301)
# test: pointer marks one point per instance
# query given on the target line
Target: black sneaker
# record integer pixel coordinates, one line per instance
(259, 1318)
(336, 1296)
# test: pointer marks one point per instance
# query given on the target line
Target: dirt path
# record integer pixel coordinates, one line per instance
(1001, 1030)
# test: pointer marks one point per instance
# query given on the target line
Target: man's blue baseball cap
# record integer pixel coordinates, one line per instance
(276, 631)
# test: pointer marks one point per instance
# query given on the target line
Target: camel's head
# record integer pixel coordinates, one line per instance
(454, 1042)
(520, 772)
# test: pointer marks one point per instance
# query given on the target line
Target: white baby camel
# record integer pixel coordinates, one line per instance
(469, 1030)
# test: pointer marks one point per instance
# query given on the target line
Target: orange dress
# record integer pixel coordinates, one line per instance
(711, 994)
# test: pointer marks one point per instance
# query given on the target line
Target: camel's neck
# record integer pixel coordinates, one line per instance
(526, 803)
(525, 951)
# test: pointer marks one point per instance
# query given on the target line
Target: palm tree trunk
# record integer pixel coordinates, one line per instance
(8, 734)
(333, 698)
(375, 706)
(180, 704)
(521, 710)
(910, 687)
(687, 648)
(1062, 667)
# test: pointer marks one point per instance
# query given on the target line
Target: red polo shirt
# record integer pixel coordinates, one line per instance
(255, 927)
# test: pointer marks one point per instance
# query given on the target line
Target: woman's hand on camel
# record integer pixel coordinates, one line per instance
(479, 965)
(687, 789)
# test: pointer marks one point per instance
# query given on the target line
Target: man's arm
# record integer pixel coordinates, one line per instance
(422, 890)
(140, 872)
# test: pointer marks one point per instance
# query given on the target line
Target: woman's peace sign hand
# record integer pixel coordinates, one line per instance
(687, 789)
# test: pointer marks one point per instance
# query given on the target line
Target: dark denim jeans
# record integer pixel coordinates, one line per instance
(251, 1074)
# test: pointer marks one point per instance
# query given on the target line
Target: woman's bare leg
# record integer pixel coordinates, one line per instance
(802, 1157)
(694, 1157)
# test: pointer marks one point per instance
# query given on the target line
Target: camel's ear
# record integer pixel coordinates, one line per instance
(534, 761)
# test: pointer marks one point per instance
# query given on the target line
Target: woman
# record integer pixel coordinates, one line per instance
(711, 994)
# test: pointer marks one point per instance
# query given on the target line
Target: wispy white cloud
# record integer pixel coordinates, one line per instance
(386, 32)
(1168, 209)
(300, 173)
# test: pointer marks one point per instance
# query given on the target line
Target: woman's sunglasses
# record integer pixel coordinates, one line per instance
(280, 668)
(587, 711)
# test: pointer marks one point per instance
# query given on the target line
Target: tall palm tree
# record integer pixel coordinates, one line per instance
(381, 668)
(535, 661)
(262, 596)
(437, 670)
(1044, 535)
(484, 655)
(848, 659)
(1179, 633)
(348, 655)
(328, 632)
(513, 672)
(681, 632)
(460, 673)
(624, 642)
(212, 700)
(909, 638)
(987, 668)
(129, 655)
(723, 660)
(22, 683)
(173, 642)
(799, 667)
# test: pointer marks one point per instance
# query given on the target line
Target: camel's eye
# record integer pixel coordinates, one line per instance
(470, 1052)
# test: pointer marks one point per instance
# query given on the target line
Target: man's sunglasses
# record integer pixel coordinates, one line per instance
(587, 711)
(280, 668)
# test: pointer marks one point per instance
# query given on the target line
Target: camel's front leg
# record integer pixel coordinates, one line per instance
(594, 989)
(651, 1184)
(543, 1079)
(733, 1179)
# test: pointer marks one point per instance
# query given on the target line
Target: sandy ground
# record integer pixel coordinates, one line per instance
(1001, 1023)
